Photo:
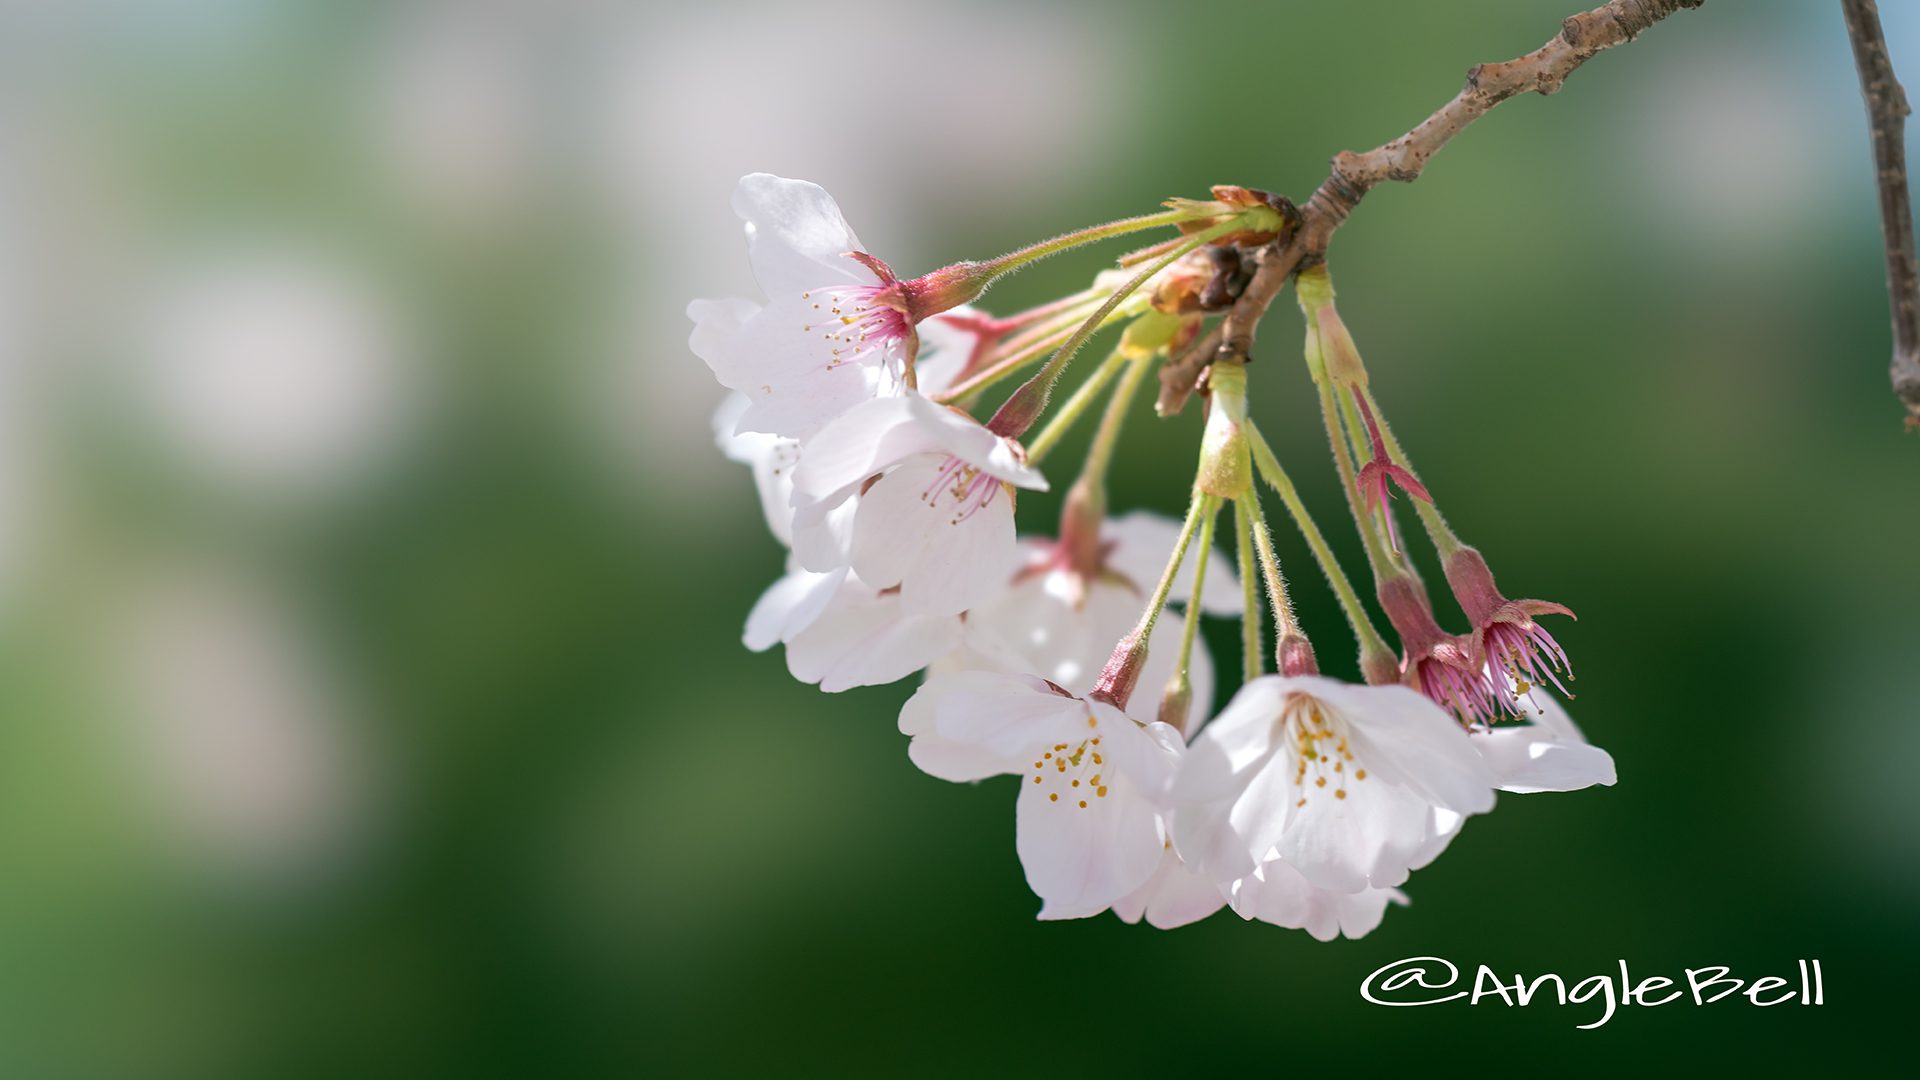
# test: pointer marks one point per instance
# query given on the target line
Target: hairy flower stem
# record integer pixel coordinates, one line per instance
(1021, 320)
(1284, 623)
(1075, 407)
(1176, 701)
(1253, 664)
(1373, 648)
(1437, 528)
(1027, 403)
(1378, 559)
(1014, 356)
(1086, 503)
(1116, 681)
(1032, 253)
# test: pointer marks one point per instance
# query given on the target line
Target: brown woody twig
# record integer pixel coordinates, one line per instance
(1887, 115)
(1540, 71)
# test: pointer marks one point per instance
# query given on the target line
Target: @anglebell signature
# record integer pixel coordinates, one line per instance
(1432, 980)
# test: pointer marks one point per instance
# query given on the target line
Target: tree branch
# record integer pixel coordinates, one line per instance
(1540, 71)
(1886, 117)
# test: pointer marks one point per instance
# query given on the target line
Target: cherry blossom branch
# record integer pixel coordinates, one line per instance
(1541, 71)
(1886, 118)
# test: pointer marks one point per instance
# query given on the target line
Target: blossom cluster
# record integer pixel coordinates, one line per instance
(1073, 661)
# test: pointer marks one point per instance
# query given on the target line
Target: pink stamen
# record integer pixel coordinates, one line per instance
(855, 322)
(968, 487)
(1529, 654)
(1472, 697)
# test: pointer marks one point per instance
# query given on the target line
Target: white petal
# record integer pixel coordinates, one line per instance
(1219, 764)
(797, 383)
(716, 323)
(1549, 754)
(945, 758)
(1405, 737)
(1008, 714)
(1369, 838)
(1277, 894)
(1081, 859)
(1173, 897)
(796, 236)
(864, 441)
(868, 641)
(771, 457)
(823, 537)
(945, 560)
(789, 606)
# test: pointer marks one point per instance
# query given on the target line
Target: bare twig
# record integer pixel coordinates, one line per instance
(1540, 71)
(1887, 116)
(1179, 375)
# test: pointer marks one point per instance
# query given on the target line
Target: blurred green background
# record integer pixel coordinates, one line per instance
(369, 666)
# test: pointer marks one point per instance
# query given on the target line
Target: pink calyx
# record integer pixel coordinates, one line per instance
(1505, 633)
(1445, 667)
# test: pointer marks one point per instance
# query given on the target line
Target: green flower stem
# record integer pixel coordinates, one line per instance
(1022, 320)
(1437, 527)
(1377, 558)
(1070, 412)
(1014, 260)
(1253, 664)
(1043, 339)
(1269, 468)
(1191, 628)
(1027, 403)
(1054, 324)
(1202, 506)
(1284, 623)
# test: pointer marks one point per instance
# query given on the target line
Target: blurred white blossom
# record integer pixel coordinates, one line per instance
(272, 370)
(238, 739)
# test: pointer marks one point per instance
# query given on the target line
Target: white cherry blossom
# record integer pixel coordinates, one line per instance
(834, 330)
(1061, 623)
(935, 502)
(838, 631)
(1340, 781)
(1089, 827)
